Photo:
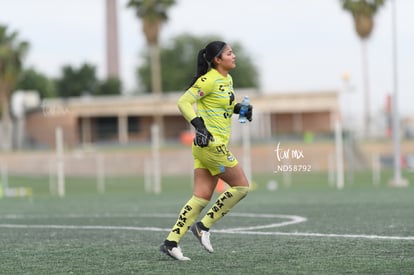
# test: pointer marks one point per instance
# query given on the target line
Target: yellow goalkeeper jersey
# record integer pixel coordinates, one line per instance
(214, 97)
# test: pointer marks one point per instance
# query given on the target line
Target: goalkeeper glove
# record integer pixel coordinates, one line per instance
(249, 113)
(203, 136)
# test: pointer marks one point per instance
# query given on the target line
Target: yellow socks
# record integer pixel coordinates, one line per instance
(186, 218)
(195, 205)
(224, 203)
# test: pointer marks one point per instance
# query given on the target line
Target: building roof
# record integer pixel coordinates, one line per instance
(142, 105)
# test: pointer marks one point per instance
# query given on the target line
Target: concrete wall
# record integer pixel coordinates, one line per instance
(178, 160)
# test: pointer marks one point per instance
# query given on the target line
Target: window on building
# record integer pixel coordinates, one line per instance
(134, 125)
(106, 128)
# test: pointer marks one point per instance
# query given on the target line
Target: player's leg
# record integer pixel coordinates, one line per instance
(239, 187)
(204, 185)
(188, 214)
(237, 180)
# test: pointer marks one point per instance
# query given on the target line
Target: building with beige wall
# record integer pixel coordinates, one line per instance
(128, 119)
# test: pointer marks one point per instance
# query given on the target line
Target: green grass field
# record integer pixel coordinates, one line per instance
(307, 227)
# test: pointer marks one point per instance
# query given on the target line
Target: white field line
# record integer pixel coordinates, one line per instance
(240, 230)
(85, 227)
(157, 229)
(322, 235)
(290, 218)
(87, 216)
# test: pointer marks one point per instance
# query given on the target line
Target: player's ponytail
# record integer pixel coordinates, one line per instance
(206, 57)
(202, 63)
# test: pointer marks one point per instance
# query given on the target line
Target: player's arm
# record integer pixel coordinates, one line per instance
(185, 105)
(201, 88)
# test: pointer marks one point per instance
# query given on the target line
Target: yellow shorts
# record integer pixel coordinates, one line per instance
(214, 158)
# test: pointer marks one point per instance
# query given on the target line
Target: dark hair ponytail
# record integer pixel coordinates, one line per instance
(205, 58)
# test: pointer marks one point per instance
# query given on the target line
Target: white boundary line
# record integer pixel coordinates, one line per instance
(241, 230)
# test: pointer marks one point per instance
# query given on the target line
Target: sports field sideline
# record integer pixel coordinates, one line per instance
(306, 227)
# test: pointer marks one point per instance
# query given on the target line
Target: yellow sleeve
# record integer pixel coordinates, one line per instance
(201, 88)
(185, 105)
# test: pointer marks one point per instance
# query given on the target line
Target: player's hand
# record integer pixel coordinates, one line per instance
(249, 113)
(203, 136)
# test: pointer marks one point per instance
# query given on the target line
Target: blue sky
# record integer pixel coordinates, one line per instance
(297, 45)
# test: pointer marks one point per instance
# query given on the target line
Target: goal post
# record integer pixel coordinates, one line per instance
(156, 164)
(60, 163)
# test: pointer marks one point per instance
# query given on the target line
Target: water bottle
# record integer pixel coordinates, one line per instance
(243, 109)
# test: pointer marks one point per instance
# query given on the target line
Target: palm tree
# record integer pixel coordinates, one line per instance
(153, 14)
(12, 52)
(363, 12)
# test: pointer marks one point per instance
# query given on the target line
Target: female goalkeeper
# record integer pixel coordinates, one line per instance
(212, 92)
